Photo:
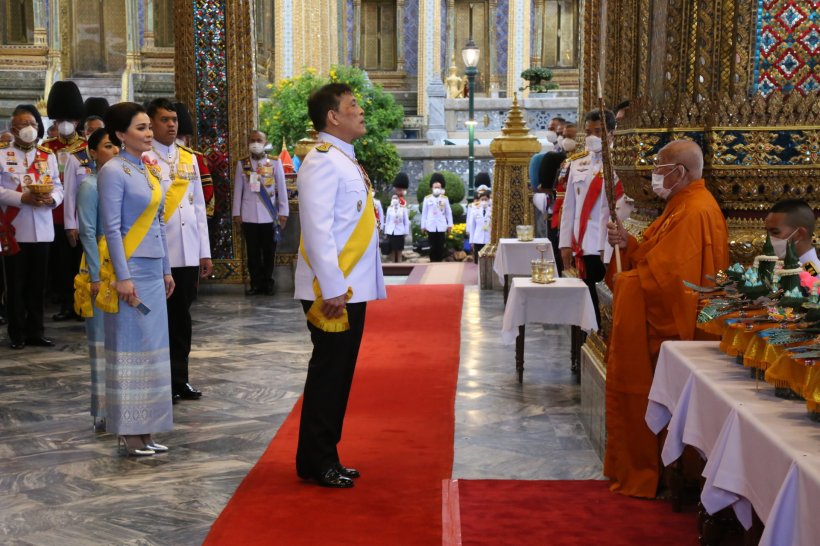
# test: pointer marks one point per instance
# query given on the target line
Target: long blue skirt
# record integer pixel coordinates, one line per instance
(96, 357)
(137, 361)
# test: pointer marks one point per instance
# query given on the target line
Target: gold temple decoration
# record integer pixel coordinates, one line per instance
(512, 193)
(689, 70)
(306, 144)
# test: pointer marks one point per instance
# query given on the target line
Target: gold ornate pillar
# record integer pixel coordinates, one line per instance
(518, 43)
(132, 55)
(429, 52)
(148, 25)
(215, 77)
(400, 36)
(54, 72)
(450, 30)
(357, 32)
(40, 23)
(538, 37)
(492, 41)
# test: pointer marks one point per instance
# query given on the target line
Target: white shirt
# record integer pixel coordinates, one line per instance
(332, 199)
(73, 175)
(32, 224)
(187, 228)
(581, 173)
(482, 219)
(810, 257)
(397, 220)
(436, 214)
(247, 203)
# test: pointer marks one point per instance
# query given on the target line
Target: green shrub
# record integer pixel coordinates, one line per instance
(285, 116)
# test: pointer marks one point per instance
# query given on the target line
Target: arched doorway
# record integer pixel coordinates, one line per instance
(98, 41)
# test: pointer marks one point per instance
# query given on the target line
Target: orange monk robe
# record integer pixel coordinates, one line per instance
(651, 305)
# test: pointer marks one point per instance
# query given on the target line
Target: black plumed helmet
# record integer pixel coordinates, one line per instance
(96, 106)
(402, 181)
(483, 178)
(438, 177)
(65, 101)
(186, 124)
(36, 113)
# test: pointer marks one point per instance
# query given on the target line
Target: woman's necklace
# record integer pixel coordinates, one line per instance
(126, 164)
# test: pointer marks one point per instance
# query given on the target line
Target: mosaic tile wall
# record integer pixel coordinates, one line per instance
(349, 27)
(411, 37)
(501, 22)
(212, 114)
(787, 56)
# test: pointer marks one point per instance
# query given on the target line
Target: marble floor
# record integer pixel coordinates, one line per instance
(61, 484)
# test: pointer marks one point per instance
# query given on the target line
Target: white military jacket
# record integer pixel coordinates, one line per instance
(332, 199)
(32, 224)
(187, 229)
(481, 219)
(397, 220)
(810, 263)
(581, 172)
(436, 214)
(247, 203)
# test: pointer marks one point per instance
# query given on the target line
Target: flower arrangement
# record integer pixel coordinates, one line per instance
(456, 238)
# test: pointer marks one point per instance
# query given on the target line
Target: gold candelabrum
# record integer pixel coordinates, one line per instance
(512, 192)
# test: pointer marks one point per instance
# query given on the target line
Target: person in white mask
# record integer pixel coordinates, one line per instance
(555, 131)
(396, 227)
(792, 220)
(585, 210)
(436, 217)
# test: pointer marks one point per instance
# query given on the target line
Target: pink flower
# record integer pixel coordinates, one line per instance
(807, 280)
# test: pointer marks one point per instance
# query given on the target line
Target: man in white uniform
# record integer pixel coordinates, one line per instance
(186, 226)
(337, 214)
(260, 198)
(26, 228)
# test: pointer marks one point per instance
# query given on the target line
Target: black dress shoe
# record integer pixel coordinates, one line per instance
(67, 314)
(17, 344)
(332, 478)
(188, 392)
(347, 472)
(39, 341)
(175, 398)
(252, 292)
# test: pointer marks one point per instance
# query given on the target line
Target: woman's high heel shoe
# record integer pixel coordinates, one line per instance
(136, 452)
(151, 444)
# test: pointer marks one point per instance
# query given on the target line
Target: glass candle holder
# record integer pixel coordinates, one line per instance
(539, 271)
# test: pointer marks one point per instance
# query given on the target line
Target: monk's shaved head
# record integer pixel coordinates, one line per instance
(686, 153)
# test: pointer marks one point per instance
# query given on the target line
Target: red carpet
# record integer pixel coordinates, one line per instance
(566, 513)
(398, 433)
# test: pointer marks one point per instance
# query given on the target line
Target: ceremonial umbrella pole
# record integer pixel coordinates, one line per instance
(609, 176)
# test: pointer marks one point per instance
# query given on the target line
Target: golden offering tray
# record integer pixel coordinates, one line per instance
(40, 189)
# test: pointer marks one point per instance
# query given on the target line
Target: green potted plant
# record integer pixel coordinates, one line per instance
(539, 80)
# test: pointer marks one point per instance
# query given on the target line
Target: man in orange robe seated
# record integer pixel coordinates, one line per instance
(651, 305)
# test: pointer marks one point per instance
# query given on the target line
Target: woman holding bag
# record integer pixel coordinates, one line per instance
(135, 280)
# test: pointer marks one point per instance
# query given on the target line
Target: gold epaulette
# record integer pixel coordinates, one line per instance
(578, 155)
(186, 148)
(49, 139)
(77, 146)
(44, 149)
(324, 147)
(808, 266)
(4, 145)
(196, 152)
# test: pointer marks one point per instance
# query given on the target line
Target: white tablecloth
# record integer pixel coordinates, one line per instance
(762, 452)
(566, 301)
(512, 257)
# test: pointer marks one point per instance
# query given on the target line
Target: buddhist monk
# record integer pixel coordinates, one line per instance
(651, 305)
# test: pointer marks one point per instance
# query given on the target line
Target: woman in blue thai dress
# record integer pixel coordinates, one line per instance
(134, 264)
(101, 149)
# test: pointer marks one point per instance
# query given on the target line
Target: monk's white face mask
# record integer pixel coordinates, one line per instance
(657, 183)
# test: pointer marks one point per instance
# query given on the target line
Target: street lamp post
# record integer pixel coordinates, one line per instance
(470, 54)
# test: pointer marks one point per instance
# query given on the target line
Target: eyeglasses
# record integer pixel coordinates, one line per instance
(656, 165)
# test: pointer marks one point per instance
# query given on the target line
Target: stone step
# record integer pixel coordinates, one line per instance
(109, 88)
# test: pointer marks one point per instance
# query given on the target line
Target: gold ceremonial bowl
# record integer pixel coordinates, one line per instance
(40, 188)
(524, 233)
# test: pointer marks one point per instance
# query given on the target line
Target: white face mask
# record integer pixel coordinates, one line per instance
(256, 148)
(27, 134)
(657, 185)
(65, 128)
(552, 137)
(394, 202)
(568, 144)
(594, 144)
(484, 204)
(780, 245)
(437, 191)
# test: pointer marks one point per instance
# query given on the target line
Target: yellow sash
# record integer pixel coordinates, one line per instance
(350, 255)
(82, 291)
(107, 299)
(175, 193)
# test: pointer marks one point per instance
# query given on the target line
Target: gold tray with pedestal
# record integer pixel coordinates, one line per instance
(40, 189)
